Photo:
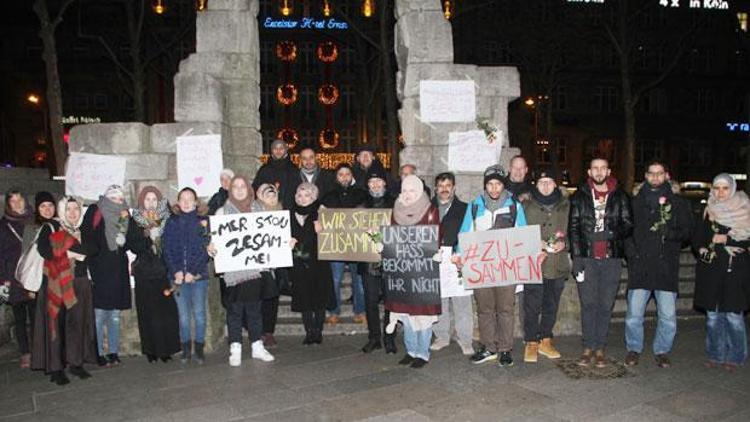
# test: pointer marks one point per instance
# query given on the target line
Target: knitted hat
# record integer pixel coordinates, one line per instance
(377, 174)
(42, 197)
(547, 174)
(496, 172)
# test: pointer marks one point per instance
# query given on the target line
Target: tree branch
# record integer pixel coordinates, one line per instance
(60, 13)
(359, 31)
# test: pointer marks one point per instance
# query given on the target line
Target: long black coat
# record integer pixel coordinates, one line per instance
(654, 257)
(313, 282)
(450, 225)
(715, 286)
(344, 197)
(618, 223)
(10, 253)
(280, 172)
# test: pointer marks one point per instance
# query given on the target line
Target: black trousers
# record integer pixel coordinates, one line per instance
(540, 301)
(247, 314)
(374, 288)
(23, 321)
(270, 310)
(597, 294)
(313, 321)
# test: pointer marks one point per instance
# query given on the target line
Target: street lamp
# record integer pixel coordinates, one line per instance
(33, 99)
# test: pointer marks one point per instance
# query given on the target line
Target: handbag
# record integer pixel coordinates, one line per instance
(30, 268)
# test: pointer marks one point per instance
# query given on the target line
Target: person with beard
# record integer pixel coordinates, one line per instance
(219, 198)
(312, 291)
(280, 172)
(158, 323)
(600, 220)
(64, 323)
(662, 222)
(311, 172)
(457, 309)
(106, 226)
(518, 184)
(277, 280)
(244, 289)
(722, 274)
(548, 207)
(346, 194)
(366, 163)
(495, 208)
(18, 214)
(372, 277)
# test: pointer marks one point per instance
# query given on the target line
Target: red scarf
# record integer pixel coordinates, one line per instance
(59, 277)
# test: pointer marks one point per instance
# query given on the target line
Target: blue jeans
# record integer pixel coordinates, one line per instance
(191, 303)
(417, 343)
(111, 319)
(726, 338)
(337, 268)
(666, 325)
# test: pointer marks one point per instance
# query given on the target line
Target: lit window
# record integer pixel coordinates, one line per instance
(742, 19)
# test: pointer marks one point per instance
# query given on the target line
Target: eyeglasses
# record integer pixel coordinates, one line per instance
(656, 174)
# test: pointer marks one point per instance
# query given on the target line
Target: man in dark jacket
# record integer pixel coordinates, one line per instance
(366, 162)
(311, 172)
(220, 197)
(281, 172)
(662, 222)
(600, 221)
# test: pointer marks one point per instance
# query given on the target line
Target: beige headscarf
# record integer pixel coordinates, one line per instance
(734, 212)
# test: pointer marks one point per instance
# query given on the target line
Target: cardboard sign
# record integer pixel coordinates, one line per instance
(471, 151)
(344, 236)
(199, 163)
(88, 175)
(501, 257)
(451, 284)
(251, 241)
(447, 101)
(411, 275)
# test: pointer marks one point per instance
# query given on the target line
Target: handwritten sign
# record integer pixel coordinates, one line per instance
(451, 284)
(447, 101)
(471, 151)
(251, 241)
(88, 175)
(411, 275)
(199, 163)
(344, 236)
(501, 257)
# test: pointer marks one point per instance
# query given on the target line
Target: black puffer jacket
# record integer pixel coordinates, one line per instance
(345, 197)
(282, 173)
(618, 223)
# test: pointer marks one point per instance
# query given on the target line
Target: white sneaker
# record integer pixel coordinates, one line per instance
(439, 344)
(260, 352)
(235, 354)
(466, 349)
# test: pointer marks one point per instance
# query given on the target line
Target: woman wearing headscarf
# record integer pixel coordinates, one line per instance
(64, 323)
(413, 207)
(18, 214)
(267, 196)
(158, 324)
(106, 226)
(722, 276)
(312, 291)
(244, 289)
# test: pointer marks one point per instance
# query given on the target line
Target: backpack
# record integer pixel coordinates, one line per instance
(30, 268)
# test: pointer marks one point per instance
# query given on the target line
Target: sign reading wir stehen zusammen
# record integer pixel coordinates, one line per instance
(344, 236)
(411, 275)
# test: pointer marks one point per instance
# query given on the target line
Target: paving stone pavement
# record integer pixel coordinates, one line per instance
(336, 382)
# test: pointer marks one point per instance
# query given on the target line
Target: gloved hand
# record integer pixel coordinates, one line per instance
(578, 266)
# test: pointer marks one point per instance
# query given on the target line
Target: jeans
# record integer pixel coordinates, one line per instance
(111, 319)
(541, 301)
(666, 325)
(191, 303)
(337, 268)
(417, 342)
(597, 293)
(460, 311)
(247, 314)
(726, 337)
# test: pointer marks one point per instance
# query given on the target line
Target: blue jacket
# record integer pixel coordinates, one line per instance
(184, 245)
(485, 219)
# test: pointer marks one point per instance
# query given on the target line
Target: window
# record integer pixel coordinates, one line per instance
(267, 101)
(346, 102)
(652, 102)
(496, 52)
(606, 98)
(695, 153)
(267, 57)
(560, 99)
(307, 100)
(704, 101)
(647, 150)
(544, 152)
(308, 56)
(81, 51)
(100, 101)
(641, 57)
(81, 102)
(700, 60)
(742, 21)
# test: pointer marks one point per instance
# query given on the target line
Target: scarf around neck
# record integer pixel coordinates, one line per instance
(409, 215)
(113, 224)
(24, 218)
(733, 213)
(547, 201)
(493, 205)
(652, 194)
(443, 207)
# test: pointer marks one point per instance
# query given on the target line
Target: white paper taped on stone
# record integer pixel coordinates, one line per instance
(450, 282)
(199, 163)
(447, 101)
(471, 151)
(88, 175)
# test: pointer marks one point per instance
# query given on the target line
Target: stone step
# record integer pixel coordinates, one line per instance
(292, 326)
(684, 302)
(682, 314)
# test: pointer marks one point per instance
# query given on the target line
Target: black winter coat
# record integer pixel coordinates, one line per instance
(283, 173)
(312, 289)
(345, 197)
(654, 257)
(451, 223)
(618, 224)
(10, 253)
(324, 181)
(362, 175)
(217, 200)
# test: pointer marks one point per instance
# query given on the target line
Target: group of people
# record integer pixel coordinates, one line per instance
(585, 237)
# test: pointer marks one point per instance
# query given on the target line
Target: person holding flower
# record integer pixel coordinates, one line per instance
(662, 222)
(548, 207)
(722, 274)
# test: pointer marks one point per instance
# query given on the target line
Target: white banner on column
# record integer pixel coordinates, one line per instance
(447, 101)
(199, 163)
(251, 241)
(471, 151)
(88, 175)
(450, 282)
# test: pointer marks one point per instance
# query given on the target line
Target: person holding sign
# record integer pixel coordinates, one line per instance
(495, 208)
(412, 208)
(267, 199)
(312, 291)
(184, 251)
(244, 289)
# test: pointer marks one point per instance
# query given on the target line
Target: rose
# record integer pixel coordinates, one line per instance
(559, 234)
(662, 200)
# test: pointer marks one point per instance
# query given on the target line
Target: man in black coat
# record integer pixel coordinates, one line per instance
(600, 221)
(662, 223)
(281, 172)
(365, 163)
(311, 172)
(220, 197)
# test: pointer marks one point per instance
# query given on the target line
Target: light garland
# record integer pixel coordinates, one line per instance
(329, 160)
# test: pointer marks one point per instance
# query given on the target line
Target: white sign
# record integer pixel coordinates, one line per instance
(88, 175)
(199, 163)
(450, 283)
(251, 241)
(447, 101)
(471, 151)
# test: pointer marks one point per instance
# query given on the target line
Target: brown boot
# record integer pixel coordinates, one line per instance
(547, 349)
(631, 359)
(586, 357)
(531, 352)
(600, 361)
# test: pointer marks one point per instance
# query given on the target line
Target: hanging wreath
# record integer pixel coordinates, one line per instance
(288, 135)
(327, 52)
(328, 139)
(286, 51)
(286, 94)
(328, 94)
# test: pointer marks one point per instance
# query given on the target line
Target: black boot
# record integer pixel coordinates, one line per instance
(389, 340)
(151, 358)
(199, 357)
(308, 338)
(113, 359)
(80, 372)
(185, 356)
(59, 378)
(372, 344)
